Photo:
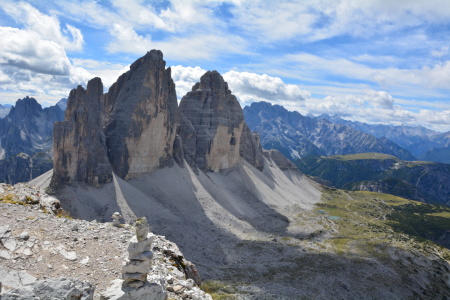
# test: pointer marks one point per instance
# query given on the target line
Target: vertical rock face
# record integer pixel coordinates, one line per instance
(130, 130)
(251, 149)
(80, 152)
(212, 126)
(141, 111)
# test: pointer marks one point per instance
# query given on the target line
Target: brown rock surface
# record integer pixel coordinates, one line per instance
(141, 111)
(212, 126)
(129, 130)
(79, 143)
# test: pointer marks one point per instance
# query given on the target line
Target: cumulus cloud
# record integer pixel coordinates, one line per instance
(251, 87)
(45, 27)
(40, 46)
(25, 82)
(248, 87)
(26, 50)
(33, 58)
(367, 99)
(380, 99)
(107, 71)
(185, 78)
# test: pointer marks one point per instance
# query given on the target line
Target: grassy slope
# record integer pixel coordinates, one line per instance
(386, 213)
(417, 180)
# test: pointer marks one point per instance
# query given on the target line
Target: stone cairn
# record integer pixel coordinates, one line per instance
(139, 262)
(116, 217)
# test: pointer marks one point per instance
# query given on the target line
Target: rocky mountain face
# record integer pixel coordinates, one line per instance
(212, 127)
(140, 117)
(132, 129)
(421, 181)
(4, 110)
(26, 140)
(298, 136)
(79, 143)
(423, 143)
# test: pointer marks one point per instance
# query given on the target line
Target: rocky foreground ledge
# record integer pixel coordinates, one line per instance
(44, 254)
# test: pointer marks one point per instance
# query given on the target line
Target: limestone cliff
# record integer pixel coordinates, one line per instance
(250, 148)
(130, 130)
(80, 152)
(141, 111)
(212, 127)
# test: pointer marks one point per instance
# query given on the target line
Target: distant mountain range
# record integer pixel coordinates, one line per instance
(423, 143)
(416, 180)
(335, 152)
(298, 136)
(26, 140)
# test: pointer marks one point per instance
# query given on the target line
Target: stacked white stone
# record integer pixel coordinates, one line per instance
(116, 217)
(139, 262)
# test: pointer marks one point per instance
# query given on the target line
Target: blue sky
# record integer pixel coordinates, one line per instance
(373, 61)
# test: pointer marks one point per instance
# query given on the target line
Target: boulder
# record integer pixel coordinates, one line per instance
(61, 288)
(141, 229)
(117, 291)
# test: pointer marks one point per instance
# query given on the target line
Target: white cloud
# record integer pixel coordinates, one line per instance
(406, 82)
(442, 51)
(380, 99)
(199, 47)
(108, 72)
(314, 20)
(185, 78)
(33, 59)
(78, 40)
(376, 107)
(249, 87)
(126, 39)
(40, 46)
(45, 27)
(26, 50)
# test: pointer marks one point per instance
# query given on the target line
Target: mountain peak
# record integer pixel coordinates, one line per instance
(130, 130)
(62, 104)
(212, 127)
(25, 108)
(151, 57)
(211, 81)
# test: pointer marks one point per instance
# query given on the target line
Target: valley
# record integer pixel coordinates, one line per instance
(416, 180)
